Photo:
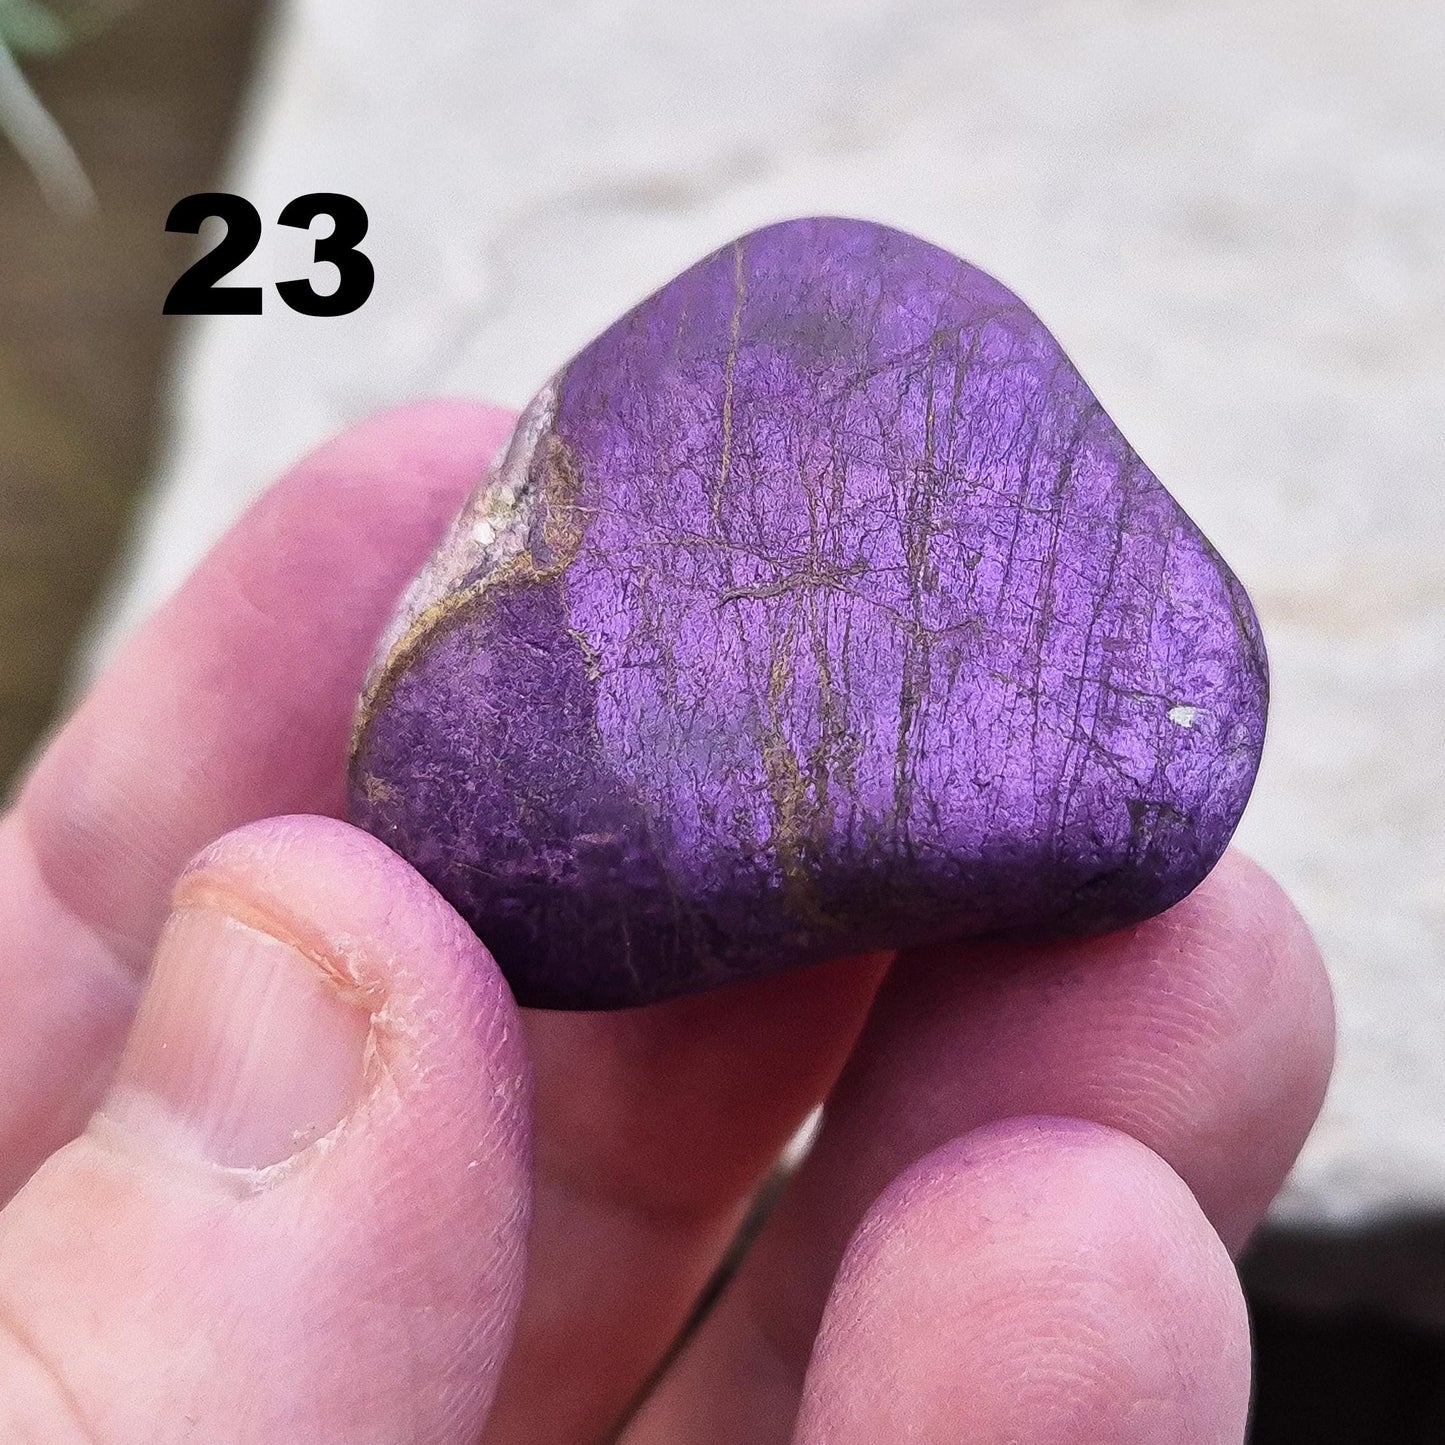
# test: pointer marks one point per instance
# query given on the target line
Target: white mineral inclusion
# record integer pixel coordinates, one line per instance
(490, 529)
(1183, 714)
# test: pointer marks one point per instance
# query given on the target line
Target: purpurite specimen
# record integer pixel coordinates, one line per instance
(816, 607)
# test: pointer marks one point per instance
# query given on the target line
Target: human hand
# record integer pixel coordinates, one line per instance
(339, 1189)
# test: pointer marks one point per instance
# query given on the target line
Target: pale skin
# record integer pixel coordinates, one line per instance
(332, 1186)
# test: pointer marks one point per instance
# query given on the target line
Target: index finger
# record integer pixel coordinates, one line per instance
(232, 703)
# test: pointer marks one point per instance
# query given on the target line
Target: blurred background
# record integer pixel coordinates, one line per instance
(1232, 212)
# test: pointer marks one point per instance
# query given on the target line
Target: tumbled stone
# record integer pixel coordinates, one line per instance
(815, 607)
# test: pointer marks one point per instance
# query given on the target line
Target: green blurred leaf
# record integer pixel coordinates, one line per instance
(24, 120)
(30, 28)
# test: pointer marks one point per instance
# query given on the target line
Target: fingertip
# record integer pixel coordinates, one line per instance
(1207, 1032)
(317, 1150)
(1242, 923)
(235, 699)
(1043, 1176)
(442, 443)
(341, 895)
(337, 882)
(1040, 1279)
(1249, 970)
(1241, 901)
(421, 423)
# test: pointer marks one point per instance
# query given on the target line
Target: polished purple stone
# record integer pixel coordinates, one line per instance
(816, 607)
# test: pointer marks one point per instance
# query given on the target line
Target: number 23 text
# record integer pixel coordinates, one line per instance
(196, 293)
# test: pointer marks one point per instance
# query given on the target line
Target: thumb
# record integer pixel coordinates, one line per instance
(299, 1215)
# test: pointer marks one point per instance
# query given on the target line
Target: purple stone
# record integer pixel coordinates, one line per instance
(816, 607)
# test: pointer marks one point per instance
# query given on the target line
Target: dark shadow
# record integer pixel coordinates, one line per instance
(149, 104)
(1349, 1335)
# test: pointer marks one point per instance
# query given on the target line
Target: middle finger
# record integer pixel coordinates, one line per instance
(1205, 1034)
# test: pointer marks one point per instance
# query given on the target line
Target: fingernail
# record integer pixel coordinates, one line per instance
(243, 1050)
